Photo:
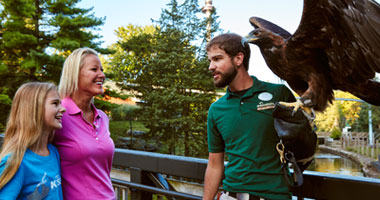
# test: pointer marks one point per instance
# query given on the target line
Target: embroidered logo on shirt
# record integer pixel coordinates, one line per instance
(265, 96)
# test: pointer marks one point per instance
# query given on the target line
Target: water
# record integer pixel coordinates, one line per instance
(330, 163)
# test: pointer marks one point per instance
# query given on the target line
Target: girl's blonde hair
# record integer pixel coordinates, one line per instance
(24, 126)
(70, 72)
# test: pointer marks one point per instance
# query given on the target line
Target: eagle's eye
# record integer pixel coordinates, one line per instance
(256, 33)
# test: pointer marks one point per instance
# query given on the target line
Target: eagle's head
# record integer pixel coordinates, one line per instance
(264, 38)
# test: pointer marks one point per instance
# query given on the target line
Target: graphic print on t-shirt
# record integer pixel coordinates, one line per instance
(42, 190)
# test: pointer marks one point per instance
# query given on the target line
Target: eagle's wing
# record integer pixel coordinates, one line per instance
(348, 31)
(258, 22)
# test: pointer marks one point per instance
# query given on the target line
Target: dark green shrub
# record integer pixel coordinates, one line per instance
(336, 133)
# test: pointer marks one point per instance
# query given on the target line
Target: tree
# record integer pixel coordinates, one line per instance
(169, 74)
(329, 119)
(5, 103)
(339, 113)
(362, 124)
(35, 38)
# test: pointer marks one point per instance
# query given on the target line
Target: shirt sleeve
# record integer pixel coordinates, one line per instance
(214, 138)
(13, 187)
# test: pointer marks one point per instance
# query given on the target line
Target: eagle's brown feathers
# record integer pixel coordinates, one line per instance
(336, 47)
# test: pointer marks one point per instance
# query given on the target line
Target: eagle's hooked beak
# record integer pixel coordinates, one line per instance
(250, 38)
(244, 40)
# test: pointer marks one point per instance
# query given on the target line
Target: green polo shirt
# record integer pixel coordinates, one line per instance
(246, 134)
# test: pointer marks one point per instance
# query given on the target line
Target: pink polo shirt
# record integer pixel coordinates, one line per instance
(86, 152)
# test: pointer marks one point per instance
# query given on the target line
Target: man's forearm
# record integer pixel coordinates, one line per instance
(213, 178)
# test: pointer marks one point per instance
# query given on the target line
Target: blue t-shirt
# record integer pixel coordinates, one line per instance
(39, 177)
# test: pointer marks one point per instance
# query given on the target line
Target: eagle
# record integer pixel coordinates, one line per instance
(335, 47)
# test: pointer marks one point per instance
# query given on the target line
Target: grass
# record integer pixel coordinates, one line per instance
(367, 151)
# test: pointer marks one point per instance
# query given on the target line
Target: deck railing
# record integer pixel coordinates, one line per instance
(146, 180)
(145, 166)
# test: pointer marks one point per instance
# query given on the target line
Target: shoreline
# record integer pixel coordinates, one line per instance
(366, 163)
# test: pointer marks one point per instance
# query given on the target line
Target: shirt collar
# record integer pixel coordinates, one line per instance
(73, 109)
(257, 86)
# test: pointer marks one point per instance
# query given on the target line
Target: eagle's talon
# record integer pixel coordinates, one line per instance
(298, 104)
(294, 112)
(307, 111)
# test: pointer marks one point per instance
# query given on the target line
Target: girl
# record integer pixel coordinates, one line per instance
(29, 166)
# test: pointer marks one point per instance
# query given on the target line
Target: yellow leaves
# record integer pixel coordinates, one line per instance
(350, 109)
(344, 110)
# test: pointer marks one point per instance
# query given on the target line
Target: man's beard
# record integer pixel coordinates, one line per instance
(226, 78)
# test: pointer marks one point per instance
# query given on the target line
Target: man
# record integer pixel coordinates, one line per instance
(240, 126)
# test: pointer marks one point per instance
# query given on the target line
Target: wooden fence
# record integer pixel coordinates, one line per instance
(358, 142)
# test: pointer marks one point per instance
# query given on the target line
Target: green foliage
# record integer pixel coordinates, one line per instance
(36, 37)
(170, 76)
(113, 93)
(350, 149)
(362, 123)
(120, 129)
(5, 106)
(336, 133)
(124, 112)
(104, 105)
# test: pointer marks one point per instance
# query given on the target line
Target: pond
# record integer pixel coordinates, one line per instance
(330, 163)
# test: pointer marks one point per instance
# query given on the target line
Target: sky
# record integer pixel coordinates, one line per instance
(233, 17)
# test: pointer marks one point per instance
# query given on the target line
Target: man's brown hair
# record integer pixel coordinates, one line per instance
(232, 44)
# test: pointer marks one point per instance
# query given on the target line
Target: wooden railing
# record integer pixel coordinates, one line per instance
(146, 180)
(145, 166)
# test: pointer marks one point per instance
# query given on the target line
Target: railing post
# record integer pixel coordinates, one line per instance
(139, 176)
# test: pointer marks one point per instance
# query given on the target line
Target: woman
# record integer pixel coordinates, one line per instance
(29, 165)
(84, 142)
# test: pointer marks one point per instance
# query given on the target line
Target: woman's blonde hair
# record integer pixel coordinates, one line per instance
(70, 72)
(24, 126)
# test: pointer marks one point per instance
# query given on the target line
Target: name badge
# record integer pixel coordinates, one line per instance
(265, 96)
